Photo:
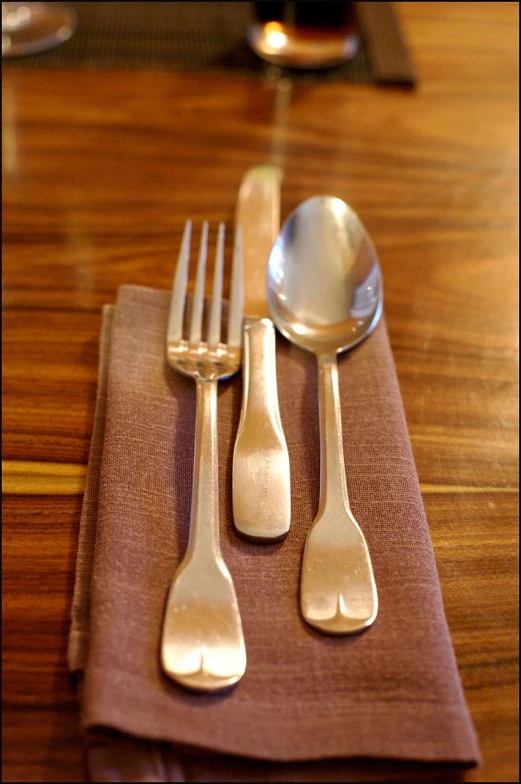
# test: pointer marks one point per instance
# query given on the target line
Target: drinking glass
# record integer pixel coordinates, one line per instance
(34, 27)
(304, 34)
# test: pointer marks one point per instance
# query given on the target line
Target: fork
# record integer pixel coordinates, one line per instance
(202, 645)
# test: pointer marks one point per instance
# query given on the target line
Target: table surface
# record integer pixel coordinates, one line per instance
(100, 172)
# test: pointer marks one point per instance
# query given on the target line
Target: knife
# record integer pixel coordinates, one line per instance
(261, 475)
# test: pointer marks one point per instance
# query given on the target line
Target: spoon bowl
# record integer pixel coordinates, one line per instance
(324, 292)
(324, 286)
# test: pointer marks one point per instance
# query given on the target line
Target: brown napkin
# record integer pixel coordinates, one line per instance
(306, 700)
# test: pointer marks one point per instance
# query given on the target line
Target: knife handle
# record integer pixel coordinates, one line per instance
(261, 477)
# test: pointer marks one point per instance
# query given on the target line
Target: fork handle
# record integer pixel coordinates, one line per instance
(202, 643)
(204, 522)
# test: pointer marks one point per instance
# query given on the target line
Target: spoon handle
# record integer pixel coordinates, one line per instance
(338, 591)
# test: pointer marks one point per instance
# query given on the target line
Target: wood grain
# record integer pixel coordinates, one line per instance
(101, 171)
(21, 477)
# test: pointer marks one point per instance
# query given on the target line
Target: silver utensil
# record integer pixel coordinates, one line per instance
(325, 294)
(261, 475)
(202, 644)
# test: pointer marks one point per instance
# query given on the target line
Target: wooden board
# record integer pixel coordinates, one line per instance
(100, 172)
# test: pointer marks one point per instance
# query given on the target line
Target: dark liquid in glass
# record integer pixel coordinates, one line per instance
(316, 16)
(304, 34)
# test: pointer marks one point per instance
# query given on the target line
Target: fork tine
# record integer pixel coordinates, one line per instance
(214, 327)
(236, 294)
(198, 298)
(174, 330)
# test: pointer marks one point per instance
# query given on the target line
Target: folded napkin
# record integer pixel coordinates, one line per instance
(308, 703)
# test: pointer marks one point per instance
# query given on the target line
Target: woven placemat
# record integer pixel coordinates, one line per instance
(199, 36)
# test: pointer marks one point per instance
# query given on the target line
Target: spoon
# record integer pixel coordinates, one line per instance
(324, 292)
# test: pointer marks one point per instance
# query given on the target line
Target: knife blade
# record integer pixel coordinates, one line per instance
(261, 472)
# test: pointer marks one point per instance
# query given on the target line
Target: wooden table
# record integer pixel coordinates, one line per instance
(100, 172)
